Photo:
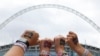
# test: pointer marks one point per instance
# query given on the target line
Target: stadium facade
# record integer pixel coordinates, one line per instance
(34, 50)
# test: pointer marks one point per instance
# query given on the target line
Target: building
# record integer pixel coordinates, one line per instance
(34, 50)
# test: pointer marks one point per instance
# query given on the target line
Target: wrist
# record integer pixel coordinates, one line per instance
(46, 49)
(79, 50)
(59, 50)
(23, 40)
(23, 43)
(44, 52)
(62, 53)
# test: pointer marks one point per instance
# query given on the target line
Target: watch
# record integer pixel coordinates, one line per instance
(23, 40)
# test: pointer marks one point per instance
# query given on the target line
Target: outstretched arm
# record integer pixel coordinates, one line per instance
(29, 38)
(72, 41)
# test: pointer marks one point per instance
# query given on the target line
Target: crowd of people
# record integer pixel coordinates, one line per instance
(31, 38)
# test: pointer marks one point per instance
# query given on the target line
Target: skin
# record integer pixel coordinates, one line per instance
(76, 47)
(69, 40)
(56, 42)
(58, 47)
(17, 50)
(41, 44)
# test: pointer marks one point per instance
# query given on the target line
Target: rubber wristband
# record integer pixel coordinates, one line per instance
(85, 52)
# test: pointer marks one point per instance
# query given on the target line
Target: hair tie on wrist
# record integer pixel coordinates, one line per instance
(85, 52)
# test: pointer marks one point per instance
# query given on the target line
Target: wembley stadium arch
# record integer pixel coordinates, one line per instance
(82, 16)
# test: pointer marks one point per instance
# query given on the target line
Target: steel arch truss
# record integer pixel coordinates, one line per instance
(2, 25)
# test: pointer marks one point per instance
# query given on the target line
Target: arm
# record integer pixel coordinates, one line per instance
(59, 42)
(45, 46)
(80, 50)
(15, 51)
(23, 43)
(72, 41)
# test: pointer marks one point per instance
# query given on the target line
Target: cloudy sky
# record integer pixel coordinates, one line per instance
(50, 22)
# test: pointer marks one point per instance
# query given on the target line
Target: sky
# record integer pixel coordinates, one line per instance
(50, 22)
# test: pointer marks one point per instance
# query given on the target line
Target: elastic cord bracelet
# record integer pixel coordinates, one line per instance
(85, 52)
(44, 53)
(22, 45)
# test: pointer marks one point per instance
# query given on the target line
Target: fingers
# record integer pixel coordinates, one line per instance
(32, 36)
(72, 38)
(72, 34)
(45, 44)
(57, 38)
(59, 42)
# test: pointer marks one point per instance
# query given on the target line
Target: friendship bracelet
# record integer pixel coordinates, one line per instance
(85, 52)
(22, 45)
(44, 53)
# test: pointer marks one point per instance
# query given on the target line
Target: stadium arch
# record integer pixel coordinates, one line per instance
(82, 16)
